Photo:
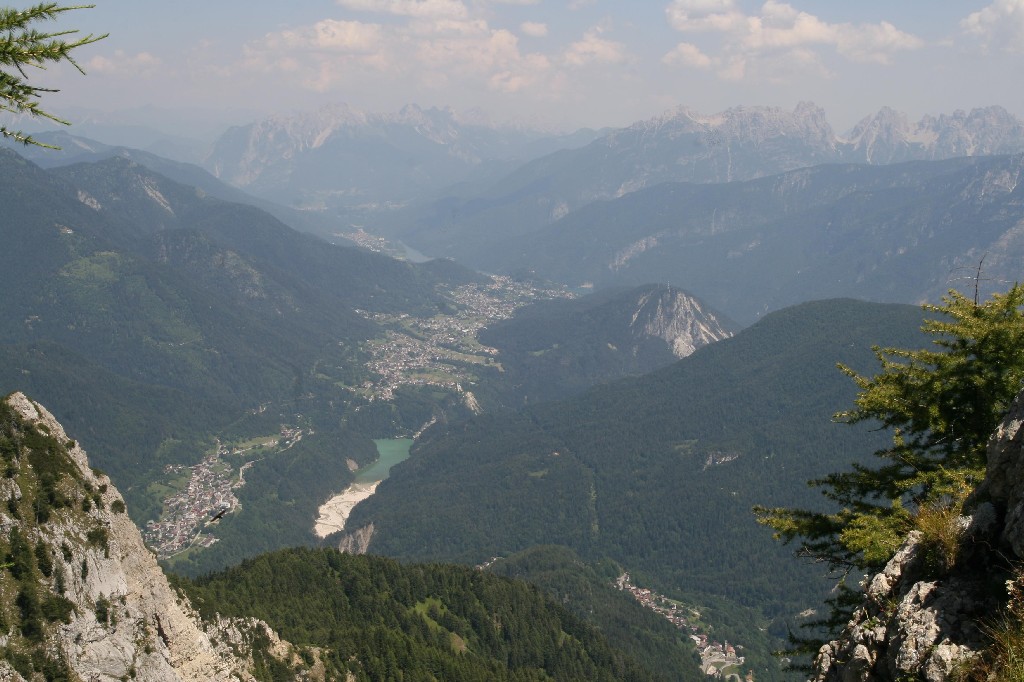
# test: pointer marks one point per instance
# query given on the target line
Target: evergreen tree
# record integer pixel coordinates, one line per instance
(941, 404)
(23, 46)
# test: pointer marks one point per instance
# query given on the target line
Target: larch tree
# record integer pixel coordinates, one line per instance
(941, 404)
(24, 47)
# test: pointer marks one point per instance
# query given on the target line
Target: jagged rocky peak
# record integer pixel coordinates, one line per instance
(310, 127)
(881, 138)
(889, 137)
(742, 123)
(338, 137)
(680, 320)
(920, 623)
(243, 153)
(988, 130)
(80, 595)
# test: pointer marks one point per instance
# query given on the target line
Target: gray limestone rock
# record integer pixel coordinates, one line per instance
(150, 632)
(915, 626)
(1004, 480)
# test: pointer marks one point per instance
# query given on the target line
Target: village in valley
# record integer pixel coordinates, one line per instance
(719, 660)
(439, 351)
(207, 494)
(443, 350)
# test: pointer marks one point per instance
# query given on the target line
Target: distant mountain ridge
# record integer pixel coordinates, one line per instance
(747, 142)
(341, 156)
(77, 149)
(889, 137)
(738, 144)
(901, 232)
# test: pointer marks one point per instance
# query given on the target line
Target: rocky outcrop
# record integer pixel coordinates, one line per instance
(357, 541)
(680, 320)
(888, 136)
(909, 627)
(341, 154)
(917, 623)
(124, 620)
(1004, 480)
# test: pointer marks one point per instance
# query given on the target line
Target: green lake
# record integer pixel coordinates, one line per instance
(391, 451)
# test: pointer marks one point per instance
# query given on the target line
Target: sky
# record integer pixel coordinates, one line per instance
(557, 63)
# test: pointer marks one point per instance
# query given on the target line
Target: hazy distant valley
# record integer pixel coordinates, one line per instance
(621, 342)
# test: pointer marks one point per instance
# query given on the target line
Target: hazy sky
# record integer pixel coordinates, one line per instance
(564, 62)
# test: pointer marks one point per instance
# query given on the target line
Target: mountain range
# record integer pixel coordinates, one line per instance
(905, 232)
(161, 318)
(740, 144)
(341, 157)
(167, 315)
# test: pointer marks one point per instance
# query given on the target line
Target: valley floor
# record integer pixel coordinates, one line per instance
(335, 511)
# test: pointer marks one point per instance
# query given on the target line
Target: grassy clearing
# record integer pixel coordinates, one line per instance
(257, 442)
(424, 609)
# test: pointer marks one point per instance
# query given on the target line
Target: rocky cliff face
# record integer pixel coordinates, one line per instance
(888, 136)
(339, 155)
(680, 320)
(79, 592)
(920, 624)
(736, 144)
(748, 142)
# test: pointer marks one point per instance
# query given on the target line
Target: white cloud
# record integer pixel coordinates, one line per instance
(474, 52)
(419, 30)
(999, 26)
(426, 9)
(687, 54)
(331, 35)
(704, 15)
(593, 49)
(122, 64)
(426, 52)
(534, 29)
(778, 39)
(874, 42)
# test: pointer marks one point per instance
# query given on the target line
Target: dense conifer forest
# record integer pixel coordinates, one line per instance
(381, 620)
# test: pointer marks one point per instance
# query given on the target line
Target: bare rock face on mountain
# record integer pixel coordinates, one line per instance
(680, 320)
(736, 144)
(1004, 482)
(888, 137)
(90, 597)
(909, 627)
(919, 624)
(339, 155)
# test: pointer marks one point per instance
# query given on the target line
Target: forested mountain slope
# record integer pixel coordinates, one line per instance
(154, 317)
(82, 598)
(657, 473)
(75, 149)
(375, 617)
(554, 349)
(682, 146)
(901, 233)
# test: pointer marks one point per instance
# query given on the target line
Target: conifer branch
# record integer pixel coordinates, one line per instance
(22, 47)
